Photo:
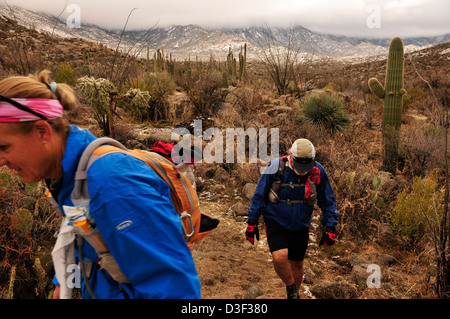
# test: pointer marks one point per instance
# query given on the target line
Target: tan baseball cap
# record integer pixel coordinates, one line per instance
(303, 154)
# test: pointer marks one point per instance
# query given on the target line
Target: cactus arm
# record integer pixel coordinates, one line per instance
(376, 87)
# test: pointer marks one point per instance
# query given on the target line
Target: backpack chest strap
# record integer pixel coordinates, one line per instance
(290, 202)
(292, 185)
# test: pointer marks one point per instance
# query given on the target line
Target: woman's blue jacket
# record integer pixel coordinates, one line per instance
(132, 209)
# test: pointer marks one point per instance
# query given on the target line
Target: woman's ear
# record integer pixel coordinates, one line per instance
(44, 131)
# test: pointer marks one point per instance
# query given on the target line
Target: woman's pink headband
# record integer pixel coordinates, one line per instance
(23, 110)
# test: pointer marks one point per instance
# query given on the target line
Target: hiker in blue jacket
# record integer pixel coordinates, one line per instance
(285, 196)
(130, 204)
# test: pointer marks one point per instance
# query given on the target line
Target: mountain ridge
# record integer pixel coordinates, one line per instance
(194, 41)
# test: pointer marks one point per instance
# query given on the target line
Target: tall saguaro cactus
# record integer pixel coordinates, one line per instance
(392, 93)
(243, 63)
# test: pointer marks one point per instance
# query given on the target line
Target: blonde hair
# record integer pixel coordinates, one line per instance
(38, 86)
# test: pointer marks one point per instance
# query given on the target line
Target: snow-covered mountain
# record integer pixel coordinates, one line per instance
(196, 42)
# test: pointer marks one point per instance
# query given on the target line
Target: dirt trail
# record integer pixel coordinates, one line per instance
(229, 266)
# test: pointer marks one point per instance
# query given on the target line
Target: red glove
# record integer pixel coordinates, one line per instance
(328, 237)
(251, 231)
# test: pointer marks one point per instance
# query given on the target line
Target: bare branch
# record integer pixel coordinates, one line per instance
(279, 58)
(120, 41)
(57, 18)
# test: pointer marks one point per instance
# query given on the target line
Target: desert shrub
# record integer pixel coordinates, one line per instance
(300, 89)
(421, 150)
(27, 225)
(324, 110)
(160, 85)
(206, 93)
(362, 197)
(17, 58)
(417, 208)
(65, 74)
(339, 84)
(415, 94)
(247, 101)
(332, 87)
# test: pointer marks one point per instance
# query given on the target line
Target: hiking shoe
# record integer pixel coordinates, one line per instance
(292, 292)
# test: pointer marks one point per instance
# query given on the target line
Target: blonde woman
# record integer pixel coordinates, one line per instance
(38, 144)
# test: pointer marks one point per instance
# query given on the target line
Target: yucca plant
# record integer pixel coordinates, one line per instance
(324, 110)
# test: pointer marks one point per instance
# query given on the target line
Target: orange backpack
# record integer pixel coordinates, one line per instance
(196, 225)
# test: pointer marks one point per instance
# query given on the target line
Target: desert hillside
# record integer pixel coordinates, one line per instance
(387, 219)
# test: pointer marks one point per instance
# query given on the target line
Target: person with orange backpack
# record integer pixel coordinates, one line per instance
(285, 195)
(128, 233)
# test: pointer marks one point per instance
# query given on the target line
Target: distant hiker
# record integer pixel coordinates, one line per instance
(285, 196)
(130, 204)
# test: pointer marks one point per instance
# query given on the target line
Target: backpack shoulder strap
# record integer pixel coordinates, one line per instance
(87, 158)
(281, 166)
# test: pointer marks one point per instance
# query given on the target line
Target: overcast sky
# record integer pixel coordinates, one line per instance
(373, 18)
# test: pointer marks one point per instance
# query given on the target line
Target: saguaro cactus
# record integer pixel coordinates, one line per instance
(392, 93)
(243, 63)
(231, 67)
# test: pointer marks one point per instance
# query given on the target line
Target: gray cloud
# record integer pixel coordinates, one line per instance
(347, 17)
